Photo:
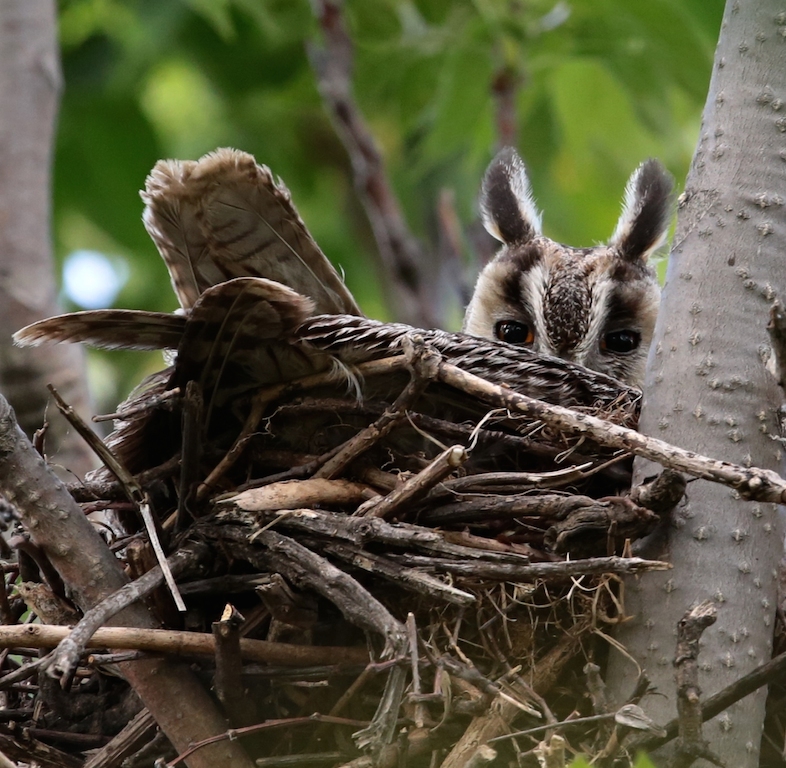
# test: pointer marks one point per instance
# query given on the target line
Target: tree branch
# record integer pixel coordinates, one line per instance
(401, 256)
(57, 525)
(30, 85)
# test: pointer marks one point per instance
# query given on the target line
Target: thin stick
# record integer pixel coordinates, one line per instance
(401, 256)
(240, 709)
(691, 744)
(416, 487)
(130, 485)
(265, 396)
(289, 722)
(422, 363)
(181, 644)
(412, 636)
(408, 578)
(66, 657)
(151, 402)
(131, 739)
(546, 571)
(750, 482)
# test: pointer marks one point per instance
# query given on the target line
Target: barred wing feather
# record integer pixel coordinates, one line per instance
(225, 216)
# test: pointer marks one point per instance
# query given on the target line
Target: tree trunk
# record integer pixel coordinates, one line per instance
(707, 388)
(30, 84)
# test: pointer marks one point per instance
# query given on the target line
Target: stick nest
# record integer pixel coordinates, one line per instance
(458, 562)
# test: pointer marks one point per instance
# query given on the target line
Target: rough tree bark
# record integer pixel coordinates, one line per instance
(30, 85)
(707, 389)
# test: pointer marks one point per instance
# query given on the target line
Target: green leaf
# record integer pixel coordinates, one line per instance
(216, 13)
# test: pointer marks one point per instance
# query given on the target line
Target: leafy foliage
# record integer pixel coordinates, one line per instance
(602, 85)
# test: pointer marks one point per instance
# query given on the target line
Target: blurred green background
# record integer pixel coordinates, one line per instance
(601, 85)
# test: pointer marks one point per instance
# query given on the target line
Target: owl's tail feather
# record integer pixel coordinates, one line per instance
(107, 329)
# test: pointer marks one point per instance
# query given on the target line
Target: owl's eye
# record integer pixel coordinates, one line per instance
(621, 342)
(514, 332)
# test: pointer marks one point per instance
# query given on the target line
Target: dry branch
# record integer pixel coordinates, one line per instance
(691, 745)
(751, 483)
(180, 644)
(400, 255)
(66, 656)
(85, 563)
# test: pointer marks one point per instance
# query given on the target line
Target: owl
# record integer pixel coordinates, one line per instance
(261, 304)
(591, 306)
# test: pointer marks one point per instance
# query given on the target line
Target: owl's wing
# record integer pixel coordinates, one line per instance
(354, 340)
(239, 336)
(107, 329)
(225, 216)
(239, 333)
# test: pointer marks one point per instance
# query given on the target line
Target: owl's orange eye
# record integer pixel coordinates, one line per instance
(514, 332)
(621, 342)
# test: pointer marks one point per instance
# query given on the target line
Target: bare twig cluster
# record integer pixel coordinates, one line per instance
(404, 576)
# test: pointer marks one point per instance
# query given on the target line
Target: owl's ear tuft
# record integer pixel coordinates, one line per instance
(506, 202)
(646, 212)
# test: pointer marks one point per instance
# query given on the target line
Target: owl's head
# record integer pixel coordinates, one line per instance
(594, 306)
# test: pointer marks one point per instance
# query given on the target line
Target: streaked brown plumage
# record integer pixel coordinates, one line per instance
(225, 216)
(262, 304)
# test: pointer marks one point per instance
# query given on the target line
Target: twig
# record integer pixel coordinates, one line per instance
(447, 431)
(150, 403)
(265, 396)
(418, 486)
(228, 679)
(136, 734)
(662, 494)
(412, 636)
(497, 719)
(307, 569)
(691, 745)
(29, 750)
(361, 530)
(766, 674)
(29, 669)
(306, 759)
(600, 704)
(85, 492)
(181, 644)
(546, 571)
(422, 362)
(750, 482)
(776, 329)
(56, 524)
(407, 578)
(68, 652)
(500, 482)
(289, 722)
(548, 507)
(562, 725)
(400, 254)
(130, 485)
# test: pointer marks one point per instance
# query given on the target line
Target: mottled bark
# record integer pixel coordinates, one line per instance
(707, 389)
(30, 84)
